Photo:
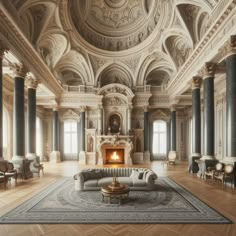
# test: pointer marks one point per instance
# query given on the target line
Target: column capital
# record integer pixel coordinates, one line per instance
(145, 108)
(229, 47)
(83, 108)
(173, 107)
(2, 51)
(31, 82)
(208, 70)
(19, 69)
(56, 108)
(196, 82)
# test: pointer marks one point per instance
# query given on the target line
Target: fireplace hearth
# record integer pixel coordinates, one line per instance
(114, 156)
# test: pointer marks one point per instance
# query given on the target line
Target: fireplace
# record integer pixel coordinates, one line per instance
(114, 156)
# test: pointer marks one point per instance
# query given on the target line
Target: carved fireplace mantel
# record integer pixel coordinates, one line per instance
(114, 142)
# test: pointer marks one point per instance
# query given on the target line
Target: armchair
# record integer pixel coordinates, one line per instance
(171, 158)
(225, 175)
(7, 170)
(36, 167)
(213, 171)
(3, 180)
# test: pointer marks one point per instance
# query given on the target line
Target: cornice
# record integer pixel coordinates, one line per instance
(22, 48)
(207, 48)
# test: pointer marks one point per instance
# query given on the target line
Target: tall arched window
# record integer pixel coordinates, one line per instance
(159, 137)
(70, 137)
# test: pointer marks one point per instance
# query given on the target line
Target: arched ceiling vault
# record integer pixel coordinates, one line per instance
(144, 41)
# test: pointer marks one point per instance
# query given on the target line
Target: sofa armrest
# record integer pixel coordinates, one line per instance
(151, 177)
(79, 181)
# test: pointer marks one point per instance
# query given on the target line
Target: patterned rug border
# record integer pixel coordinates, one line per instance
(178, 188)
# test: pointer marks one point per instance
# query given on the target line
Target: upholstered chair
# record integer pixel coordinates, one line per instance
(36, 167)
(225, 175)
(171, 158)
(8, 171)
(211, 172)
(11, 172)
(3, 180)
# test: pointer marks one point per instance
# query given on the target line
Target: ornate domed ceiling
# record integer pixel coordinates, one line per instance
(116, 25)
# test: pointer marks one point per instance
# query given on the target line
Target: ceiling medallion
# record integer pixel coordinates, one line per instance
(115, 3)
(116, 25)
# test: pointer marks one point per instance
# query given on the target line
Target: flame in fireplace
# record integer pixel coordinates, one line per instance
(115, 156)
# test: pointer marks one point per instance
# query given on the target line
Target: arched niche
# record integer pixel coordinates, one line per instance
(115, 74)
(117, 99)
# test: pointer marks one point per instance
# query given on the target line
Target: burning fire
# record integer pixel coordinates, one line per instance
(115, 156)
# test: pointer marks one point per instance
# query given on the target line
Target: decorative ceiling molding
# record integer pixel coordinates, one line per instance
(25, 52)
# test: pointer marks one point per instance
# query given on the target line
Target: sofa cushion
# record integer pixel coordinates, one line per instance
(134, 174)
(139, 183)
(91, 174)
(105, 181)
(125, 180)
(91, 183)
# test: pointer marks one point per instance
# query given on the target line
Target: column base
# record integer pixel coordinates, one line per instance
(18, 158)
(207, 157)
(229, 160)
(82, 158)
(31, 156)
(195, 154)
(146, 157)
(55, 157)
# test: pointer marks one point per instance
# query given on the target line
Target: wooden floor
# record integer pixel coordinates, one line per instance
(221, 199)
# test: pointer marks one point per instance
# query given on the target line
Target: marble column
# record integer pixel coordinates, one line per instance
(196, 116)
(55, 154)
(100, 118)
(231, 108)
(129, 119)
(173, 129)
(82, 154)
(209, 111)
(146, 136)
(1, 105)
(167, 137)
(19, 113)
(31, 84)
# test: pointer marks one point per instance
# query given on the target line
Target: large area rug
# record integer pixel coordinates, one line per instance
(60, 203)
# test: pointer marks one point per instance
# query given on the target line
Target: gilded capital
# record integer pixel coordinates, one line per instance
(19, 69)
(56, 108)
(173, 107)
(3, 49)
(208, 70)
(146, 109)
(31, 82)
(229, 47)
(83, 108)
(196, 82)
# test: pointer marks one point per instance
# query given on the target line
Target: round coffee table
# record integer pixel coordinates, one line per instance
(110, 192)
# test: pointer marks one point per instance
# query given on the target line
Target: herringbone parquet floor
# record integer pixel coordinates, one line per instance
(222, 199)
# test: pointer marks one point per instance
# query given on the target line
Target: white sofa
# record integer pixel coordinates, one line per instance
(135, 178)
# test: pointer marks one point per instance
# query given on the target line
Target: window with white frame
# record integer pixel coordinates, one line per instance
(5, 125)
(159, 137)
(70, 137)
(38, 137)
